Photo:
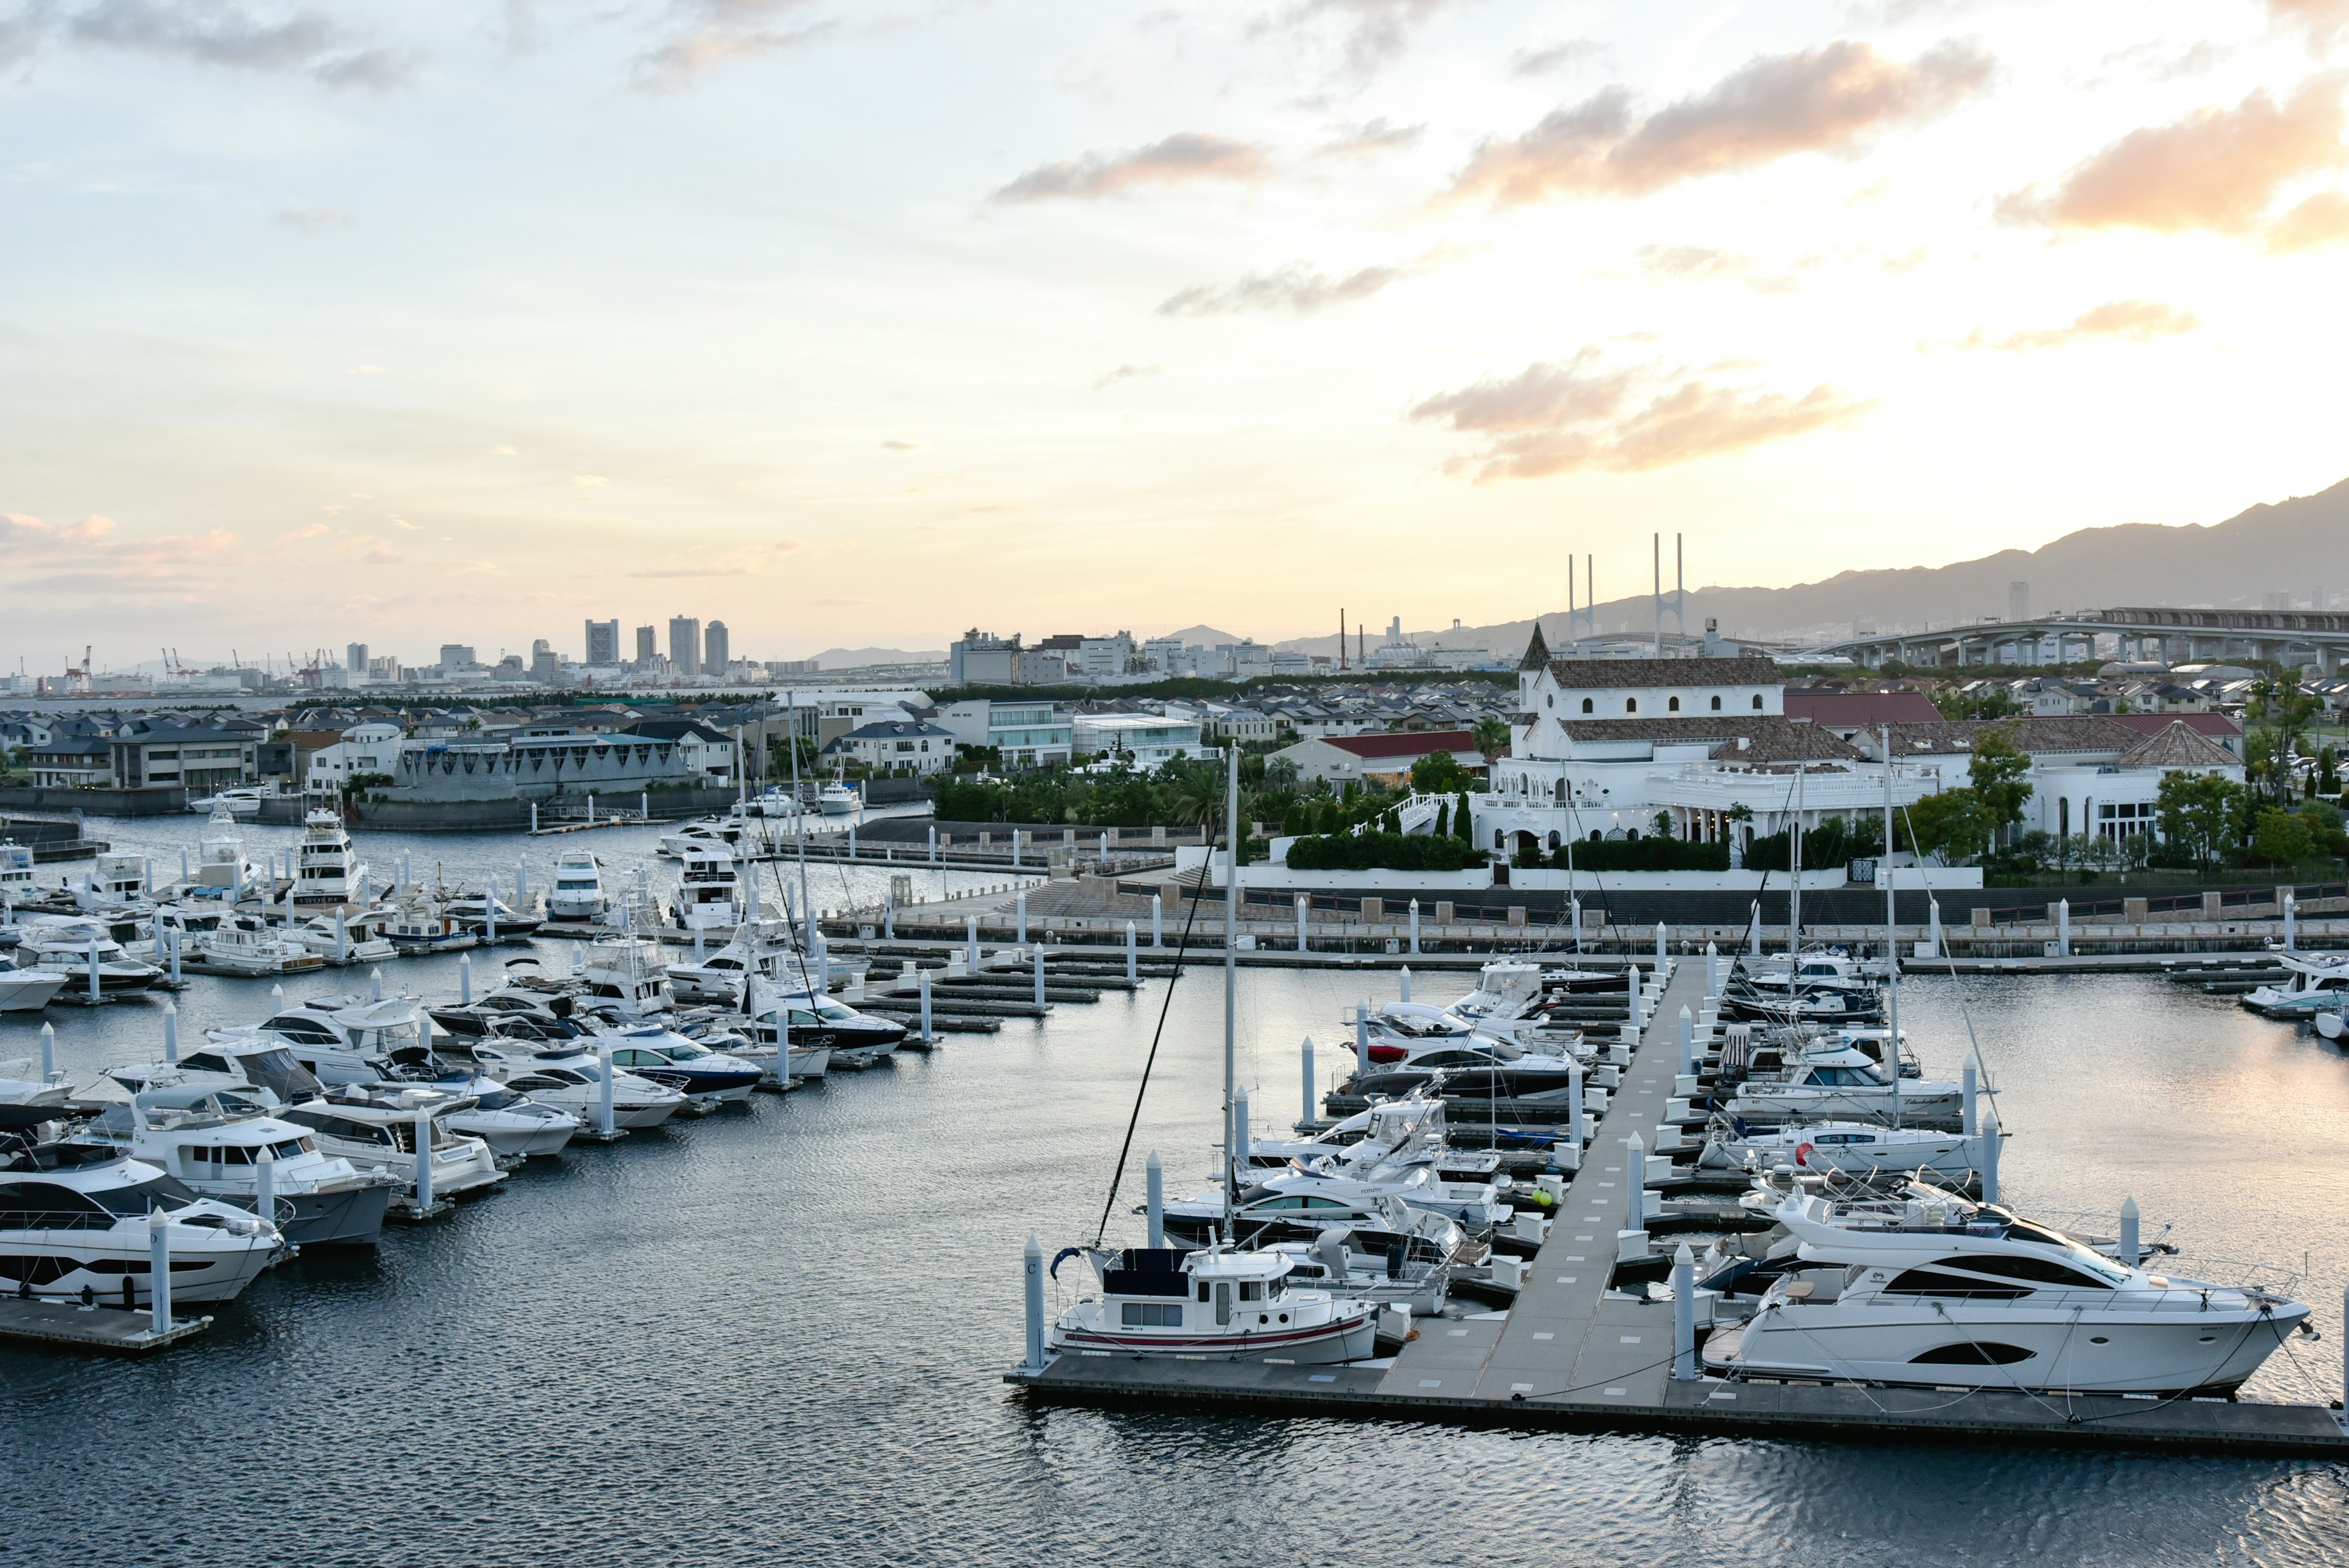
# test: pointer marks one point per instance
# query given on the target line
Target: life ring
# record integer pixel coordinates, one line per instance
(1803, 1154)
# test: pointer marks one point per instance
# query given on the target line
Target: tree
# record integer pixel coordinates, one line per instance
(1990, 702)
(1444, 820)
(2280, 708)
(2199, 814)
(1438, 773)
(1997, 772)
(1492, 739)
(2283, 837)
(1950, 825)
(1464, 821)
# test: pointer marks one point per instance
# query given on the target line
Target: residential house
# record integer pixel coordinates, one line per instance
(891, 745)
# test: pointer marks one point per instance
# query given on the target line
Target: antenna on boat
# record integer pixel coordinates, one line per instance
(1231, 976)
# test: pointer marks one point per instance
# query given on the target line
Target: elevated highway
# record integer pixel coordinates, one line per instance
(2174, 635)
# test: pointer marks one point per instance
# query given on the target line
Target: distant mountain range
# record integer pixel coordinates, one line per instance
(2298, 546)
(860, 658)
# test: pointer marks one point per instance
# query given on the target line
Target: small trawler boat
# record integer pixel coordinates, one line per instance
(221, 868)
(1926, 1289)
(578, 897)
(1842, 1083)
(838, 800)
(665, 1057)
(1855, 1149)
(247, 944)
(374, 1126)
(2319, 983)
(326, 868)
(74, 1218)
(709, 890)
(569, 1078)
(1157, 1301)
(421, 925)
(214, 1140)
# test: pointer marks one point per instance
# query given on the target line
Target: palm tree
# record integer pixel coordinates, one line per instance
(1492, 739)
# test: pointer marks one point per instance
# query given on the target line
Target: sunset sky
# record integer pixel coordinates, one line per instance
(860, 323)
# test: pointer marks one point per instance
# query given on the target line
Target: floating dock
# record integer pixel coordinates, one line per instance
(1575, 1354)
(110, 1330)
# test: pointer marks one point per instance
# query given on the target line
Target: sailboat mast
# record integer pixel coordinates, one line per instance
(1795, 884)
(799, 825)
(1231, 978)
(1891, 939)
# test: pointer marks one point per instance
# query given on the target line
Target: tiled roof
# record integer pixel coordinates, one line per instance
(2176, 747)
(1422, 743)
(1768, 738)
(1664, 672)
(2208, 725)
(1847, 709)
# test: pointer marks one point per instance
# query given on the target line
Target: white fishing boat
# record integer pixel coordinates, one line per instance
(222, 869)
(326, 867)
(579, 896)
(838, 800)
(709, 890)
(1163, 1302)
(1926, 1289)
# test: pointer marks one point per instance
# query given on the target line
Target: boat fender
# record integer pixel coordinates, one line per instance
(1803, 1154)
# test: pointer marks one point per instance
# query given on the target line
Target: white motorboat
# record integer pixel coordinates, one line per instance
(1163, 1302)
(772, 802)
(69, 946)
(1364, 1176)
(485, 912)
(326, 868)
(720, 831)
(578, 896)
(215, 1140)
(515, 1126)
(2318, 983)
(838, 800)
(1842, 1083)
(374, 1127)
(16, 883)
(624, 976)
(222, 868)
(338, 1039)
(236, 1061)
(1384, 1278)
(30, 990)
(347, 939)
(715, 977)
(665, 1057)
(1927, 1289)
(419, 925)
(1857, 1148)
(116, 881)
(237, 800)
(21, 1083)
(709, 891)
(247, 944)
(572, 1080)
(853, 1040)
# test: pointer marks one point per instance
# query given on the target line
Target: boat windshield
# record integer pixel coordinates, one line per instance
(2096, 1262)
(138, 1197)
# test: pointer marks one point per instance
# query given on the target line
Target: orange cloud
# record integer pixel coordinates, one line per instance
(2324, 19)
(2216, 171)
(1183, 157)
(1826, 100)
(2322, 220)
(1580, 414)
(85, 558)
(313, 532)
(2137, 320)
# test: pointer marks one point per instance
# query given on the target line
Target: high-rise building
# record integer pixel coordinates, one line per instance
(454, 656)
(603, 642)
(716, 654)
(545, 664)
(355, 659)
(648, 645)
(685, 646)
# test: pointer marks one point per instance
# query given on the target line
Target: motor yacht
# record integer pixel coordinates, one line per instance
(624, 976)
(1924, 1288)
(2316, 983)
(326, 867)
(21, 1083)
(507, 1005)
(1855, 1149)
(472, 911)
(116, 881)
(513, 1125)
(68, 946)
(854, 1040)
(655, 1052)
(838, 800)
(30, 990)
(74, 1219)
(711, 832)
(247, 944)
(1475, 1207)
(374, 1126)
(243, 1060)
(213, 1141)
(339, 1039)
(419, 925)
(347, 939)
(1388, 1277)
(578, 897)
(709, 891)
(1410, 1129)
(1215, 1302)
(717, 976)
(1842, 1083)
(237, 800)
(775, 800)
(222, 871)
(569, 1078)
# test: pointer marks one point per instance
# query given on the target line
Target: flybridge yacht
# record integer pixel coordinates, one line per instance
(15, 874)
(1855, 1149)
(215, 1141)
(115, 881)
(2318, 983)
(221, 868)
(579, 896)
(1163, 1302)
(1925, 1288)
(1842, 1082)
(626, 976)
(709, 891)
(326, 867)
(838, 800)
(374, 1127)
(75, 1218)
(722, 832)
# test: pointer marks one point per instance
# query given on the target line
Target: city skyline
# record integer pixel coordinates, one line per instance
(1424, 294)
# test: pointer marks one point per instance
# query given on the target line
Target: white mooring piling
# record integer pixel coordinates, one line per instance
(1574, 1102)
(1304, 907)
(1157, 921)
(1132, 959)
(1684, 1315)
(1635, 1184)
(1038, 960)
(171, 1031)
(423, 1164)
(95, 990)
(375, 985)
(970, 929)
(1362, 1037)
(1032, 1273)
(1688, 1041)
(1415, 932)
(1989, 1151)
(2129, 1250)
(159, 1270)
(1311, 1079)
(1022, 903)
(1712, 970)
(1154, 1180)
(1240, 1138)
(48, 1052)
(1970, 1121)
(265, 1187)
(342, 937)
(604, 1056)
(2064, 927)
(924, 980)
(1406, 983)
(465, 978)
(1932, 929)
(1660, 947)
(175, 957)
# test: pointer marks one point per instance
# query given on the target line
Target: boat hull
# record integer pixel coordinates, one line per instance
(1349, 1338)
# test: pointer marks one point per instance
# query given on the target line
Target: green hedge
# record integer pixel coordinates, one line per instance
(1645, 854)
(1381, 851)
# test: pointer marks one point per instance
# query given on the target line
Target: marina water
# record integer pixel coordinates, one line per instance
(775, 1334)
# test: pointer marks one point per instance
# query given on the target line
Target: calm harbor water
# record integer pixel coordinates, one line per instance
(775, 1334)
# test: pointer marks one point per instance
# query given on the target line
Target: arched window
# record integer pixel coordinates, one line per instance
(1630, 704)
(1553, 838)
(1673, 706)
(1586, 705)
(1550, 699)
(1757, 702)
(1500, 838)
(1716, 704)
